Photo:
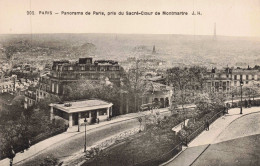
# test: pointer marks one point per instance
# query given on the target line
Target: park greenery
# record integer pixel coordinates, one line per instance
(156, 143)
(20, 126)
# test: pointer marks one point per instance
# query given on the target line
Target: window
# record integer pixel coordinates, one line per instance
(70, 68)
(235, 77)
(92, 68)
(102, 112)
(52, 87)
(57, 88)
(84, 114)
(246, 77)
(102, 68)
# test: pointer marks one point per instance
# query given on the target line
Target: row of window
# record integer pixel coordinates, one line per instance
(41, 94)
(237, 83)
(7, 86)
(241, 76)
(86, 68)
(219, 84)
(86, 75)
(236, 77)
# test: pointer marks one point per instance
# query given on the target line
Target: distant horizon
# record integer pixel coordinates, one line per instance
(129, 34)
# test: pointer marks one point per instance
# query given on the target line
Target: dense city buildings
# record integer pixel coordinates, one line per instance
(7, 83)
(65, 72)
(218, 80)
(249, 77)
(225, 80)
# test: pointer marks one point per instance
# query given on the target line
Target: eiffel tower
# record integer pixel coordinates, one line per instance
(154, 49)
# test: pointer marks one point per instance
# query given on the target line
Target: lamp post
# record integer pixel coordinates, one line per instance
(85, 145)
(241, 85)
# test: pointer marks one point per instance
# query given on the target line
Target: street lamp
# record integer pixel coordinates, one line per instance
(241, 85)
(85, 145)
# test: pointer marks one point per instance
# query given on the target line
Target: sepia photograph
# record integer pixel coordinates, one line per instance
(129, 83)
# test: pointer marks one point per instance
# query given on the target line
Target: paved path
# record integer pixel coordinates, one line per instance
(202, 142)
(238, 145)
(68, 143)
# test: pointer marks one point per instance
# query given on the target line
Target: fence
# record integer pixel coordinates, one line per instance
(166, 156)
(193, 135)
(234, 104)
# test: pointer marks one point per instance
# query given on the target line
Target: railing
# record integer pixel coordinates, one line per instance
(168, 155)
(237, 103)
(193, 135)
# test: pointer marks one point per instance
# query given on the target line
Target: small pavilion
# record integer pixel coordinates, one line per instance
(75, 112)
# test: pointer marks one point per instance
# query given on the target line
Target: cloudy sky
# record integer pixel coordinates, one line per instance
(232, 17)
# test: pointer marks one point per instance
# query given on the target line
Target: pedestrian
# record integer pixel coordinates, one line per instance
(249, 103)
(224, 110)
(246, 103)
(206, 125)
(207, 122)
(227, 108)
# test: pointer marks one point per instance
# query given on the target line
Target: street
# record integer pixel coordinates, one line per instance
(232, 140)
(238, 145)
(74, 144)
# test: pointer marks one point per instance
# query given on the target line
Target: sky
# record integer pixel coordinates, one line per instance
(232, 17)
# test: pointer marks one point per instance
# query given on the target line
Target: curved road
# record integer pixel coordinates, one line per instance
(75, 144)
(238, 145)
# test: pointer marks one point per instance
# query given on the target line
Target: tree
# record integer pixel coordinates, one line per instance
(197, 77)
(135, 84)
(43, 105)
(203, 102)
(87, 89)
(250, 90)
(180, 79)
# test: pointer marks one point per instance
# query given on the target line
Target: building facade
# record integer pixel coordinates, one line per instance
(65, 72)
(228, 79)
(30, 97)
(249, 77)
(218, 80)
(8, 84)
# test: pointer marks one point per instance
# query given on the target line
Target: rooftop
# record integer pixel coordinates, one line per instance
(80, 106)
